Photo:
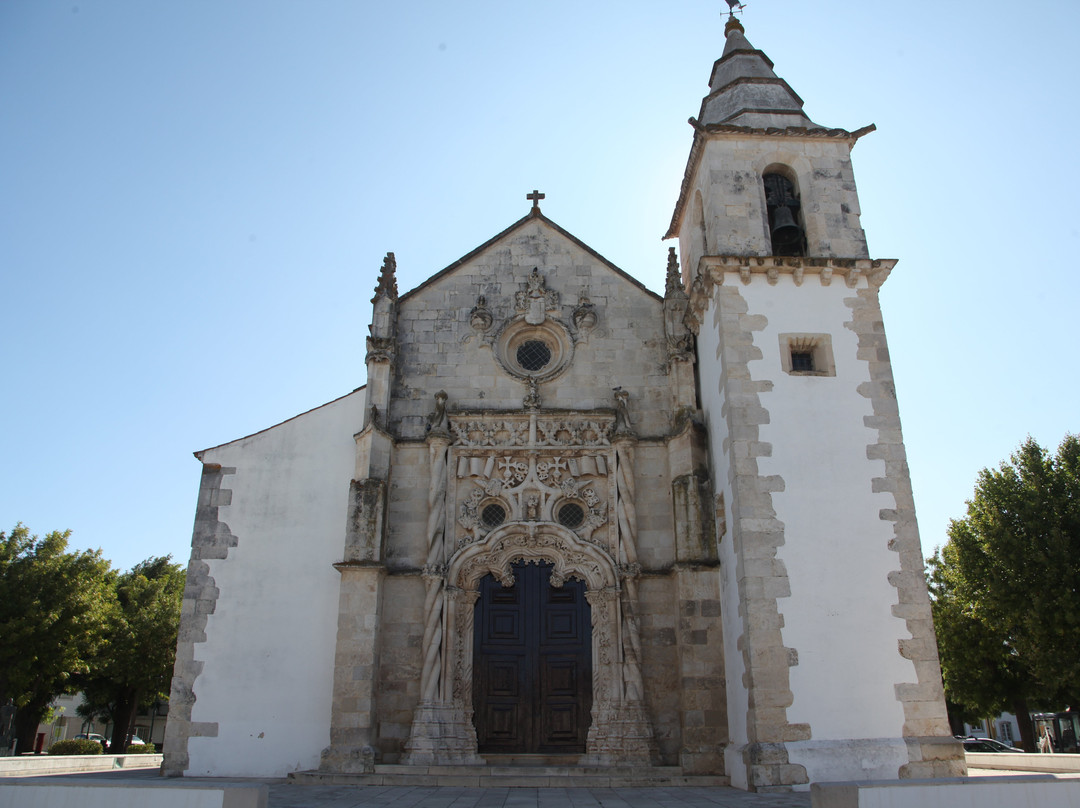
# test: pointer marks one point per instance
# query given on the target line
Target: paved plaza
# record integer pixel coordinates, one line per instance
(285, 795)
(289, 795)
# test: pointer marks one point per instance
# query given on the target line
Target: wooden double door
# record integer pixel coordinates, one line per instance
(532, 664)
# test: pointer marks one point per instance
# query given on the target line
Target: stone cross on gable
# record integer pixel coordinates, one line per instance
(535, 196)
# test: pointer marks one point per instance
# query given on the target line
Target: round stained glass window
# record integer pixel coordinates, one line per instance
(571, 515)
(533, 355)
(493, 515)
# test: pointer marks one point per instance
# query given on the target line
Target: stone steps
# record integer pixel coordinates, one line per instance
(514, 776)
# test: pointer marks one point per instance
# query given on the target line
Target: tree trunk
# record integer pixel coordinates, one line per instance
(956, 721)
(26, 723)
(127, 705)
(1027, 729)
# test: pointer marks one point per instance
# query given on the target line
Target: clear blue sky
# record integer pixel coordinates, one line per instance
(195, 198)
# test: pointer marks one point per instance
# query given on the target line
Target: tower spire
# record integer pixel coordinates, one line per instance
(744, 90)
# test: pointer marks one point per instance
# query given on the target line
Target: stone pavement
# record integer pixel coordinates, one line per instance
(287, 795)
(290, 795)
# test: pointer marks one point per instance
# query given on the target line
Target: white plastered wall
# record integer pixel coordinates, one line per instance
(838, 617)
(712, 403)
(269, 650)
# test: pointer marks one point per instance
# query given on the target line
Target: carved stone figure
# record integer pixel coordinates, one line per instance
(536, 300)
(480, 317)
(532, 398)
(623, 425)
(585, 314)
(380, 349)
(438, 422)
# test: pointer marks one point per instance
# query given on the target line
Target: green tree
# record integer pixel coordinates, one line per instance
(1006, 587)
(982, 675)
(52, 607)
(134, 667)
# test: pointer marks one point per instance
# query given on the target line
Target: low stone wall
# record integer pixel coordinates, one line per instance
(1020, 762)
(34, 793)
(959, 792)
(32, 765)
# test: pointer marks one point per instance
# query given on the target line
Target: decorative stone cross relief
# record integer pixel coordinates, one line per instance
(529, 485)
(535, 300)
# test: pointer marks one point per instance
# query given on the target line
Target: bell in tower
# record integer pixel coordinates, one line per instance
(783, 208)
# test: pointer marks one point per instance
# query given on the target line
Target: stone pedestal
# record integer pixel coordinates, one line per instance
(620, 735)
(441, 734)
(348, 759)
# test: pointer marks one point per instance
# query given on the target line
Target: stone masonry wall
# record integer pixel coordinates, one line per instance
(656, 542)
(703, 709)
(736, 223)
(660, 661)
(439, 349)
(211, 539)
(406, 520)
(399, 663)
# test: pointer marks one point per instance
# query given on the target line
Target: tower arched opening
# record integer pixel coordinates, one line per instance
(787, 233)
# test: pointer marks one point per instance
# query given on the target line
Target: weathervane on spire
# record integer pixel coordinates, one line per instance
(734, 6)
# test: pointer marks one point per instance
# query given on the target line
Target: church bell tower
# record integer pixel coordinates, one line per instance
(829, 652)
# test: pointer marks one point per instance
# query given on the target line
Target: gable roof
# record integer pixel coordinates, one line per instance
(199, 454)
(533, 215)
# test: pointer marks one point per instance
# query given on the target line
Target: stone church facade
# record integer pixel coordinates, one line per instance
(568, 519)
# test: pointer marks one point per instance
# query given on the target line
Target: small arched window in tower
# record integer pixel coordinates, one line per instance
(782, 201)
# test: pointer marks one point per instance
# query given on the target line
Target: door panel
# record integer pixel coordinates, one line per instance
(532, 691)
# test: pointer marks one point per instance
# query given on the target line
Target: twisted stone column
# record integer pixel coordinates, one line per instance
(624, 500)
(434, 570)
(635, 689)
(442, 731)
(620, 733)
(628, 566)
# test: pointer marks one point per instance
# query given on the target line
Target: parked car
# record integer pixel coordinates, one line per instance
(973, 744)
(93, 736)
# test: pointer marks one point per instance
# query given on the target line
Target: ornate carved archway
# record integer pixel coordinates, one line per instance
(527, 541)
(442, 730)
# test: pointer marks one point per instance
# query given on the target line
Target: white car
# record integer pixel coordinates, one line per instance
(93, 736)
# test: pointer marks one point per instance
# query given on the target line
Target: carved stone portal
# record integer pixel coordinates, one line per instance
(526, 469)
